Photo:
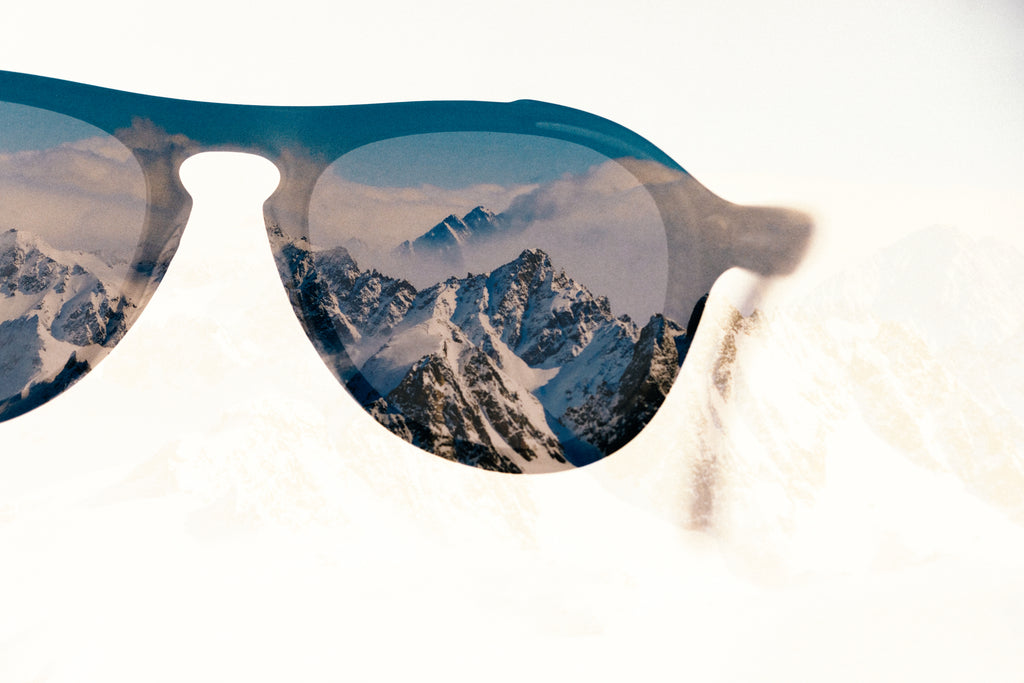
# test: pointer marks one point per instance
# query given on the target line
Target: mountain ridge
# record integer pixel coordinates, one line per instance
(447, 238)
(56, 309)
(519, 369)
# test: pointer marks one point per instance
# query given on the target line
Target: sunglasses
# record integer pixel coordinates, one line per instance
(512, 286)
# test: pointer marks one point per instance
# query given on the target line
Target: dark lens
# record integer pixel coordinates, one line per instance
(495, 299)
(72, 207)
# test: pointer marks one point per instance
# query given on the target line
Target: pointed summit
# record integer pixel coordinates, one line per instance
(520, 369)
(27, 266)
(481, 221)
(60, 309)
(533, 257)
(14, 240)
(447, 238)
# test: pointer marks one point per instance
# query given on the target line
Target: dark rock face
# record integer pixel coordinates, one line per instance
(464, 418)
(527, 305)
(25, 269)
(53, 299)
(41, 392)
(646, 381)
(516, 370)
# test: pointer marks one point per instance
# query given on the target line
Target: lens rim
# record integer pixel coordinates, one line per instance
(706, 235)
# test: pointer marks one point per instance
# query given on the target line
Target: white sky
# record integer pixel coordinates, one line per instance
(878, 117)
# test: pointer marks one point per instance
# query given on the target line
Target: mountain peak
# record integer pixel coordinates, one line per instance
(482, 220)
(451, 227)
(25, 241)
(533, 257)
(479, 217)
(447, 237)
(518, 369)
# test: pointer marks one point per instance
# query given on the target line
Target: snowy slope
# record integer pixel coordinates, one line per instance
(447, 239)
(55, 306)
(521, 369)
(910, 377)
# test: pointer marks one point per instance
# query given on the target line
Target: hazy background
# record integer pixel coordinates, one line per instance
(589, 214)
(70, 184)
(213, 507)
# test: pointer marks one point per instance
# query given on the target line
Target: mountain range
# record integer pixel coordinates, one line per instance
(521, 369)
(56, 308)
(447, 239)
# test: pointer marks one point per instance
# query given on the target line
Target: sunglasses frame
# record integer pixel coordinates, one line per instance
(705, 234)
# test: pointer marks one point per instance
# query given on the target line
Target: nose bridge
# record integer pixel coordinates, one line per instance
(227, 316)
(163, 134)
(229, 175)
(224, 226)
(297, 169)
(287, 208)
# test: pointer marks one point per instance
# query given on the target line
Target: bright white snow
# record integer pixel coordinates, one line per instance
(814, 493)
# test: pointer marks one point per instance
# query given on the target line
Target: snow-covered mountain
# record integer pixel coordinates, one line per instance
(907, 361)
(56, 307)
(521, 369)
(446, 239)
(953, 290)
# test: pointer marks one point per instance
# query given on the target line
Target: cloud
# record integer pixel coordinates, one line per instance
(605, 230)
(601, 226)
(87, 195)
(383, 217)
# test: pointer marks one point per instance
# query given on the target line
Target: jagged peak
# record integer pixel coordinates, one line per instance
(480, 214)
(338, 252)
(26, 241)
(478, 220)
(656, 321)
(533, 256)
(659, 325)
(530, 265)
(445, 230)
(32, 245)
